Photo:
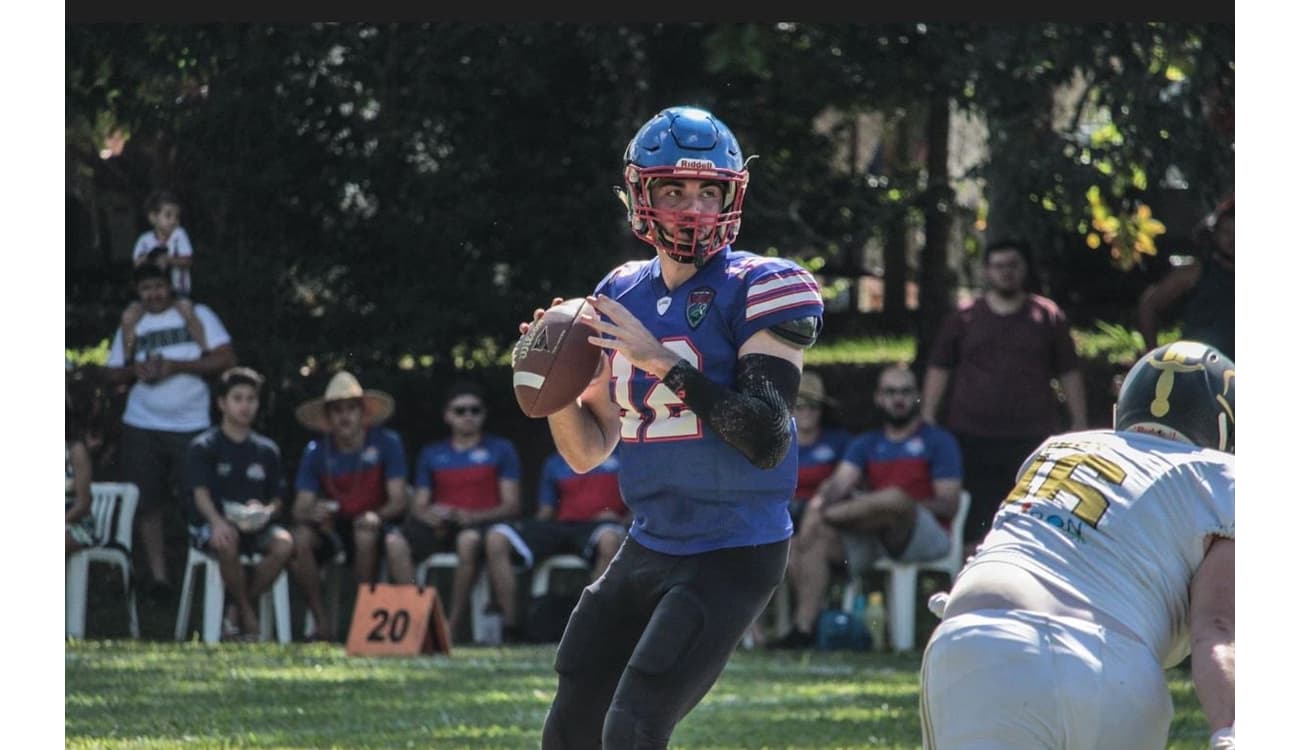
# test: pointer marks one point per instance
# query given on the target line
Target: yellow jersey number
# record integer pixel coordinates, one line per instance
(1063, 476)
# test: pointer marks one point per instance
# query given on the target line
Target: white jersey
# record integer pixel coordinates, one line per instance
(1119, 520)
(178, 403)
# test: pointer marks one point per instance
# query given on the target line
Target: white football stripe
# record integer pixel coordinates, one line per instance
(770, 285)
(530, 379)
(786, 300)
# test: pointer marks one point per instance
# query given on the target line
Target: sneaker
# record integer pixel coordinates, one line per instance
(795, 639)
(229, 630)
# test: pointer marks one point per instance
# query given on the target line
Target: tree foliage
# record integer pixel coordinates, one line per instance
(405, 193)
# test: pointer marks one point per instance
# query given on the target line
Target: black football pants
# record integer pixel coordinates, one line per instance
(649, 638)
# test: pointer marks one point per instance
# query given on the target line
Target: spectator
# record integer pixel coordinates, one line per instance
(164, 212)
(820, 448)
(913, 485)
(237, 487)
(168, 404)
(1208, 287)
(131, 315)
(463, 485)
(78, 523)
(1000, 354)
(351, 491)
(577, 514)
(705, 347)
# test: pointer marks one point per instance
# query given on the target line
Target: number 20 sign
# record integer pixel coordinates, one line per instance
(397, 620)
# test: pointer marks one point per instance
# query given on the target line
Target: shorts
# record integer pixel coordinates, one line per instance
(340, 538)
(425, 540)
(82, 530)
(928, 542)
(534, 540)
(154, 460)
(1018, 679)
(250, 542)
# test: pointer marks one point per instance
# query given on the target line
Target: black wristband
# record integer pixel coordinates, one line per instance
(693, 387)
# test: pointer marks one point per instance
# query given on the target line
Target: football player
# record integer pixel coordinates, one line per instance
(704, 349)
(1111, 560)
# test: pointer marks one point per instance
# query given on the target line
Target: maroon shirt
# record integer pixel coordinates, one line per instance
(1002, 366)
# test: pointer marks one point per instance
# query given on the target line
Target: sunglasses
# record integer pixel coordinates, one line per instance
(461, 411)
(897, 392)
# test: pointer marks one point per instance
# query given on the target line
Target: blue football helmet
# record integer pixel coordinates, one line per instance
(684, 143)
(1183, 391)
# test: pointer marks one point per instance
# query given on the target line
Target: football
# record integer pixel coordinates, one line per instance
(554, 361)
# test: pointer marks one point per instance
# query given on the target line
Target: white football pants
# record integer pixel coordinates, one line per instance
(1013, 680)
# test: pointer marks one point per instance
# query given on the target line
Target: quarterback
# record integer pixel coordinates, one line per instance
(704, 349)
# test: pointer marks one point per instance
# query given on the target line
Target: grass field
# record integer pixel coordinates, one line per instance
(141, 694)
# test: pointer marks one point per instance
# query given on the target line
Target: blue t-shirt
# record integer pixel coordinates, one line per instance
(356, 480)
(580, 497)
(232, 472)
(911, 464)
(818, 459)
(689, 491)
(467, 479)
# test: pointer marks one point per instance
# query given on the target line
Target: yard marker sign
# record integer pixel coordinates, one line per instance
(397, 620)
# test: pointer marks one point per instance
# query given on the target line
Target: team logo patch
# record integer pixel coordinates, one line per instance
(256, 472)
(916, 446)
(223, 469)
(697, 305)
(480, 455)
(370, 455)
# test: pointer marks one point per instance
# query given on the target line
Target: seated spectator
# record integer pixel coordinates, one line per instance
(577, 514)
(820, 448)
(78, 523)
(351, 491)
(1207, 288)
(913, 485)
(237, 488)
(463, 485)
(168, 406)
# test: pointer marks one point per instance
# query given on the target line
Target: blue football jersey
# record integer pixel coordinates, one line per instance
(688, 490)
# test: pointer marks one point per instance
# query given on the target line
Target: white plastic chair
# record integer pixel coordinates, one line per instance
(274, 603)
(901, 594)
(478, 597)
(112, 505)
(542, 575)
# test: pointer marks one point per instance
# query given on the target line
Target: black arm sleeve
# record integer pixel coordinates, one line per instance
(755, 420)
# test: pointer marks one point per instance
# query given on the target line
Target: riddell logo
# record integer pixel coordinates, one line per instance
(695, 164)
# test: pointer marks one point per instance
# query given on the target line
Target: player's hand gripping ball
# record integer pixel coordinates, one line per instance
(554, 362)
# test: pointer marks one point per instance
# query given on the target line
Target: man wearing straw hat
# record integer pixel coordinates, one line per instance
(351, 490)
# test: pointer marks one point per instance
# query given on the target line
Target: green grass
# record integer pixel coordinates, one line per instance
(140, 694)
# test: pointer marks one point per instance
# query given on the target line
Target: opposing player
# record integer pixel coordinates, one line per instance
(1111, 559)
(704, 352)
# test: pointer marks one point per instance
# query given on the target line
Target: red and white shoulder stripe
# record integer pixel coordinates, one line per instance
(792, 287)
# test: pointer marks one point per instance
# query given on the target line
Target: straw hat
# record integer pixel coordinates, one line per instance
(812, 388)
(377, 406)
